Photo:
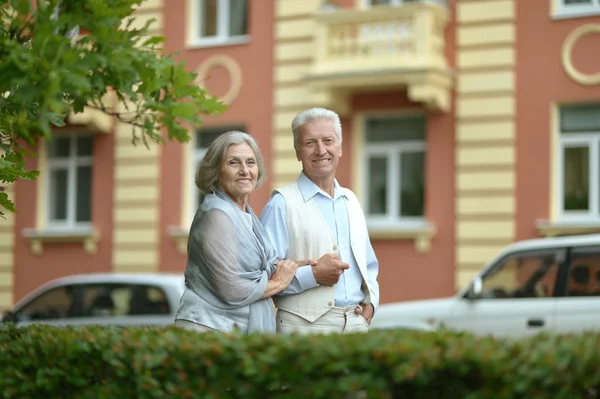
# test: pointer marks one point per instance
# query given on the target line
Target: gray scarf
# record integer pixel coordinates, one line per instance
(230, 261)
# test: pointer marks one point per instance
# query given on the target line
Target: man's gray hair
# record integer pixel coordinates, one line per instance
(210, 165)
(313, 114)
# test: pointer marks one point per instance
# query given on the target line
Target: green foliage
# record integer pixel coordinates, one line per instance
(48, 71)
(100, 362)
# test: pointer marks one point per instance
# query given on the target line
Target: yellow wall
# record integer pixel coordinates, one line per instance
(294, 49)
(7, 239)
(485, 133)
(137, 191)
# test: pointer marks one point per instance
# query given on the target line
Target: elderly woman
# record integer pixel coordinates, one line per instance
(232, 270)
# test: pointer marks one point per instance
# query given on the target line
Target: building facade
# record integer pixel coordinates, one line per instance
(466, 126)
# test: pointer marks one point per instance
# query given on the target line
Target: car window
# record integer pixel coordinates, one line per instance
(523, 275)
(584, 272)
(111, 300)
(57, 303)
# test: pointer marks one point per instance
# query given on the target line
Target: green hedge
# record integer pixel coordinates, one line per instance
(99, 362)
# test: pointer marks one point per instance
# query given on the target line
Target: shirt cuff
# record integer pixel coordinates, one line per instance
(306, 278)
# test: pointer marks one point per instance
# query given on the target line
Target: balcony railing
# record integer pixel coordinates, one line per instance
(385, 46)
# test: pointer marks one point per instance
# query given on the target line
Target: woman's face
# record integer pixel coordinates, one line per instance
(239, 171)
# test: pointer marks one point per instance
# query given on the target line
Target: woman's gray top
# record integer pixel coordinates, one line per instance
(230, 261)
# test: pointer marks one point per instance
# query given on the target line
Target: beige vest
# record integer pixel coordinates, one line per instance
(310, 238)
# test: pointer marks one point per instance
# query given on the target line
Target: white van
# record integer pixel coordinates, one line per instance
(532, 286)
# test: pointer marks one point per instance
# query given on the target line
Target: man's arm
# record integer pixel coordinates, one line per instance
(372, 273)
(274, 218)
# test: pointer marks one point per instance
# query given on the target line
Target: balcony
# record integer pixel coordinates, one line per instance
(381, 48)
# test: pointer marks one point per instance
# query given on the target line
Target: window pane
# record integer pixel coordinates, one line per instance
(584, 272)
(377, 185)
(60, 147)
(576, 179)
(55, 304)
(522, 276)
(395, 129)
(84, 145)
(580, 118)
(148, 300)
(106, 300)
(208, 16)
(380, 2)
(238, 17)
(58, 194)
(84, 193)
(205, 136)
(412, 189)
(578, 1)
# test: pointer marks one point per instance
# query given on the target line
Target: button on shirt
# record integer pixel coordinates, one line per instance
(274, 217)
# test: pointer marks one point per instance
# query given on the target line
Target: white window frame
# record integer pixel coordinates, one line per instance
(70, 164)
(222, 37)
(392, 151)
(563, 10)
(575, 140)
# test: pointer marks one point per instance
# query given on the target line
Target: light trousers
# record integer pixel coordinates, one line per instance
(340, 320)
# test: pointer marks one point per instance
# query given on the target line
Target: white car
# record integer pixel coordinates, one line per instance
(106, 299)
(541, 285)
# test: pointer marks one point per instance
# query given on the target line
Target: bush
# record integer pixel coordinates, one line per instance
(104, 362)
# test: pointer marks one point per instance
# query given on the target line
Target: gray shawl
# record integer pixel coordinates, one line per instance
(230, 261)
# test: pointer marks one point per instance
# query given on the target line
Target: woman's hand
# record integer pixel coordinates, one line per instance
(286, 270)
(309, 262)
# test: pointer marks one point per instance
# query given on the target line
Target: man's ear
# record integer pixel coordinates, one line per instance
(298, 156)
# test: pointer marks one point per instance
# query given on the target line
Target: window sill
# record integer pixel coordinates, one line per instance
(207, 43)
(547, 228)
(563, 14)
(87, 236)
(421, 233)
(180, 235)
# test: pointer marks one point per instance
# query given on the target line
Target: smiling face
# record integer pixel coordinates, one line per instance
(239, 172)
(319, 149)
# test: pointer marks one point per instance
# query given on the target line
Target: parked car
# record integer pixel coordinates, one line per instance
(106, 299)
(539, 285)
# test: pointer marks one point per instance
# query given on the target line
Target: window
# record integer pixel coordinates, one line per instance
(579, 163)
(57, 303)
(584, 272)
(202, 140)
(524, 275)
(219, 21)
(575, 8)
(395, 169)
(113, 300)
(69, 181)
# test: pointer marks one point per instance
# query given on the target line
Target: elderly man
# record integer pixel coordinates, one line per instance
(315, 218)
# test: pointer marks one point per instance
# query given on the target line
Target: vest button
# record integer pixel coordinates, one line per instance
(329, 303)
(335, 247)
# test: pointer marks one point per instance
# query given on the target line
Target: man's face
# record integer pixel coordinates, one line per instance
(319, 148)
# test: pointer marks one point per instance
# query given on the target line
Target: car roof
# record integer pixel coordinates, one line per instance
(139, 278)
(554, 242)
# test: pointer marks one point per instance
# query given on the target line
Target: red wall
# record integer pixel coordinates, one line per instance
(57, 260)
(540, 82)
(253, 108)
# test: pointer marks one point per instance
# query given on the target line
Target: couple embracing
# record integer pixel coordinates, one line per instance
(309, 254)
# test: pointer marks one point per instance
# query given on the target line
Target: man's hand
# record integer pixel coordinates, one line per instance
(366, 311)
(329, 268)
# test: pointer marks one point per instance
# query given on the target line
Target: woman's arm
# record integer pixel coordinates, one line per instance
(286, 269)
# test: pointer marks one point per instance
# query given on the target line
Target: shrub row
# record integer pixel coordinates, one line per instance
(104, 362)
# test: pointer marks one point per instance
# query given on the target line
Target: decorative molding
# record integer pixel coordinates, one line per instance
(422, 235)
(567, 53)
(89, 238)
(232, 67)
(554, 229)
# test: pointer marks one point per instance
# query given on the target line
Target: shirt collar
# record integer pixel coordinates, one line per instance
(310, 189)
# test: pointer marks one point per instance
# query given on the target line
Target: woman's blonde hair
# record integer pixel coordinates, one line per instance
(208, 169)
